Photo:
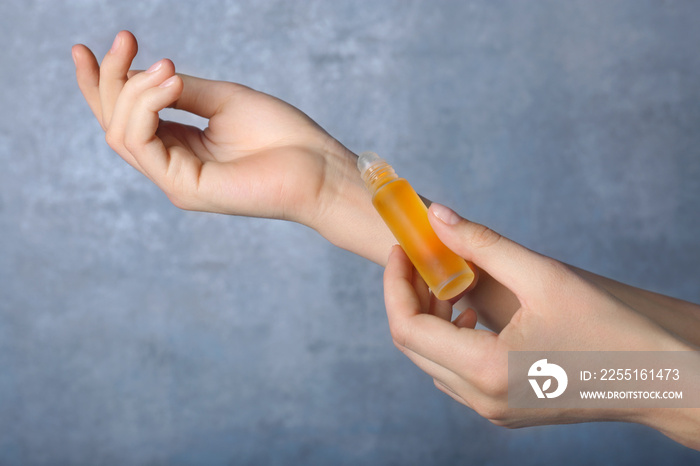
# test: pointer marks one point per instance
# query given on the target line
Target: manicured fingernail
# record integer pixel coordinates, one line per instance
(168, 82)
(115, 45)
(155, 67)
(444, 214)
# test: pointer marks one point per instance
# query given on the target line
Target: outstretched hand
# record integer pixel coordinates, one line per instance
(259, 156)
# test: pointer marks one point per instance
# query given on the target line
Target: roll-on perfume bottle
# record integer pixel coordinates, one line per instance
(445, 273)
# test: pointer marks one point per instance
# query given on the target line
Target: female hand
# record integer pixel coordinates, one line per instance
(558, 310)
(259, 156)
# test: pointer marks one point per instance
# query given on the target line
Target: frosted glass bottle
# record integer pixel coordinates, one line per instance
(445, 273)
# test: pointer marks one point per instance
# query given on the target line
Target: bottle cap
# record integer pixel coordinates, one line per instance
(366, 160)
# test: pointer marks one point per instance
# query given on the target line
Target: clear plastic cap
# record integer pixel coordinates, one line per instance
(368, 159)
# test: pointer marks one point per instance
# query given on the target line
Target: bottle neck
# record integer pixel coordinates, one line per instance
(378, 175)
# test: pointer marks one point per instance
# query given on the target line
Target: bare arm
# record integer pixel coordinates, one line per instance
(262, 157)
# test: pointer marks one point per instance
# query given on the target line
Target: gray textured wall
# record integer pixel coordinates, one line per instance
(135, 333)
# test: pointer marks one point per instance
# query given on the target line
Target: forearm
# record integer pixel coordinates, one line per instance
(677, 316)
(679, 424)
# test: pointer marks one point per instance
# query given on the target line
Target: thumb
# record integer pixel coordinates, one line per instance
(205, 97)
(506, 261)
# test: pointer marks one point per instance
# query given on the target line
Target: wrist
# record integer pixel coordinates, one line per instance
(344, 213)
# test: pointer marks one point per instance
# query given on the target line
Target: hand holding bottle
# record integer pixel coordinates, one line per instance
(559, 310)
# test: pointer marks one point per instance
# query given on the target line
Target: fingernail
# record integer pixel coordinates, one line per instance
(444, 214)
(392, 252)
(168, 82)
(115, 44)
(393, 249)
(155, 67)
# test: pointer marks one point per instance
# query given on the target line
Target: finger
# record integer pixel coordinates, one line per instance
(422, 290)
(87, 73)
(114, 72)
(445, 380)
(427, 335)
(434, 370)
(428, 302)
(466, 319)
(441, 309)
(508, 262)
(399, 288)
(124, 106)
(140, 137)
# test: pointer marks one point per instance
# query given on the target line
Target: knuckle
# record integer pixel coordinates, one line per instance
(112, 138)
(179, 202)
(175, 196)
(483, 236)
(494, 388)
(181, 180)
(492, 383)
(399, 346)
(180, 199)
(132, 86)
(129, 143)
(398, 340)
(399, 336)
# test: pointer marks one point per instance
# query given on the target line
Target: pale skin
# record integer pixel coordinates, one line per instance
(260, 156)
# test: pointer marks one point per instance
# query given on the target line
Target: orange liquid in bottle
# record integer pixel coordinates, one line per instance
(445, 273)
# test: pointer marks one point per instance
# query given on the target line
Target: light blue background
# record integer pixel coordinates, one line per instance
(135, 333)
